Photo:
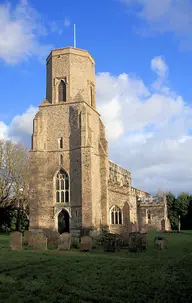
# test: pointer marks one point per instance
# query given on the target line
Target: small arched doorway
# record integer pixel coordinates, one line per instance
(63, 222)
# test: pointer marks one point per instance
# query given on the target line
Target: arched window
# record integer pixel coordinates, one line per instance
(62, 91)
(148, 216)
(116, 215)
(62, 187)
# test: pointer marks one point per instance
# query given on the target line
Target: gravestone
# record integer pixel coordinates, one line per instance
(38, 241)
(75, 241)
(16, 240)
(135, 242)
(112, 242)
(144, 240)
(27, 235)
(84, 232)
(86, 243)
(125, 238)
(52, 237)
(64, 241)
(94, 243)
(109, 245)
(160, 243)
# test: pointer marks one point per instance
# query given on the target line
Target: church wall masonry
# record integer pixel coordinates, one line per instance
(73, 184)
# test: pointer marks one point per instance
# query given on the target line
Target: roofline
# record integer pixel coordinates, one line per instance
(71, 50)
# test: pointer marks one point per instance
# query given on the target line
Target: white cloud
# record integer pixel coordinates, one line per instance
(115, 127)
(20, 32)
(154, 141)
(55, 28)
(159, 66)
(58, 26)
(66, 22)
(173, 16)
(20, 128)
(148, 131)
(3, 130)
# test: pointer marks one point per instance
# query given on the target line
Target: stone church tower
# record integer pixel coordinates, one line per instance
(74, 187)
(69, 154)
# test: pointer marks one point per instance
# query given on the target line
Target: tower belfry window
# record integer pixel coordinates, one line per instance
(62, 91)
(60, 143)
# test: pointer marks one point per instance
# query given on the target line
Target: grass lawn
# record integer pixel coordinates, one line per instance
(150, 276)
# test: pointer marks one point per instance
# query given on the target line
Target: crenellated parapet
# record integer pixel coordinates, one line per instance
(151, 201)
(139, 193)
(119, 175)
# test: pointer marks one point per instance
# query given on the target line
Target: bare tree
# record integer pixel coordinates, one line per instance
(14, 174)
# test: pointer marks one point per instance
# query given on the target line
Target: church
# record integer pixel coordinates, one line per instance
(74, 187)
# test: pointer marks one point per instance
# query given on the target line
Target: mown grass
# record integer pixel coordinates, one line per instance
(150, 276)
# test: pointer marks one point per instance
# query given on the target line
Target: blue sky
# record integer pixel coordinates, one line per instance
(142, 48)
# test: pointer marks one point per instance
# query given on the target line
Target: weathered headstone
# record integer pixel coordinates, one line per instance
(86, 243)
(126, 238)
(75, 241)
(94, 242)
(38, 241)
(64, 241)
(160, 243)
(93, 233)
(16, 240)
(144, 240)
(112, 242)
(119, 242)
(27, 235)
(84, 232)
(135, 242)
(52, 237)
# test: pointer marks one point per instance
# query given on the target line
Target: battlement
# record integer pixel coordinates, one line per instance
(150, 201)
(140, 193)
(118, 174)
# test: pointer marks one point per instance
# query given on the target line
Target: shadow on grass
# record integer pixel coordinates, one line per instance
(150, 276)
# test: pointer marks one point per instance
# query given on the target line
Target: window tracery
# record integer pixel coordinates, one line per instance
(116, 215)
(62, 187)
